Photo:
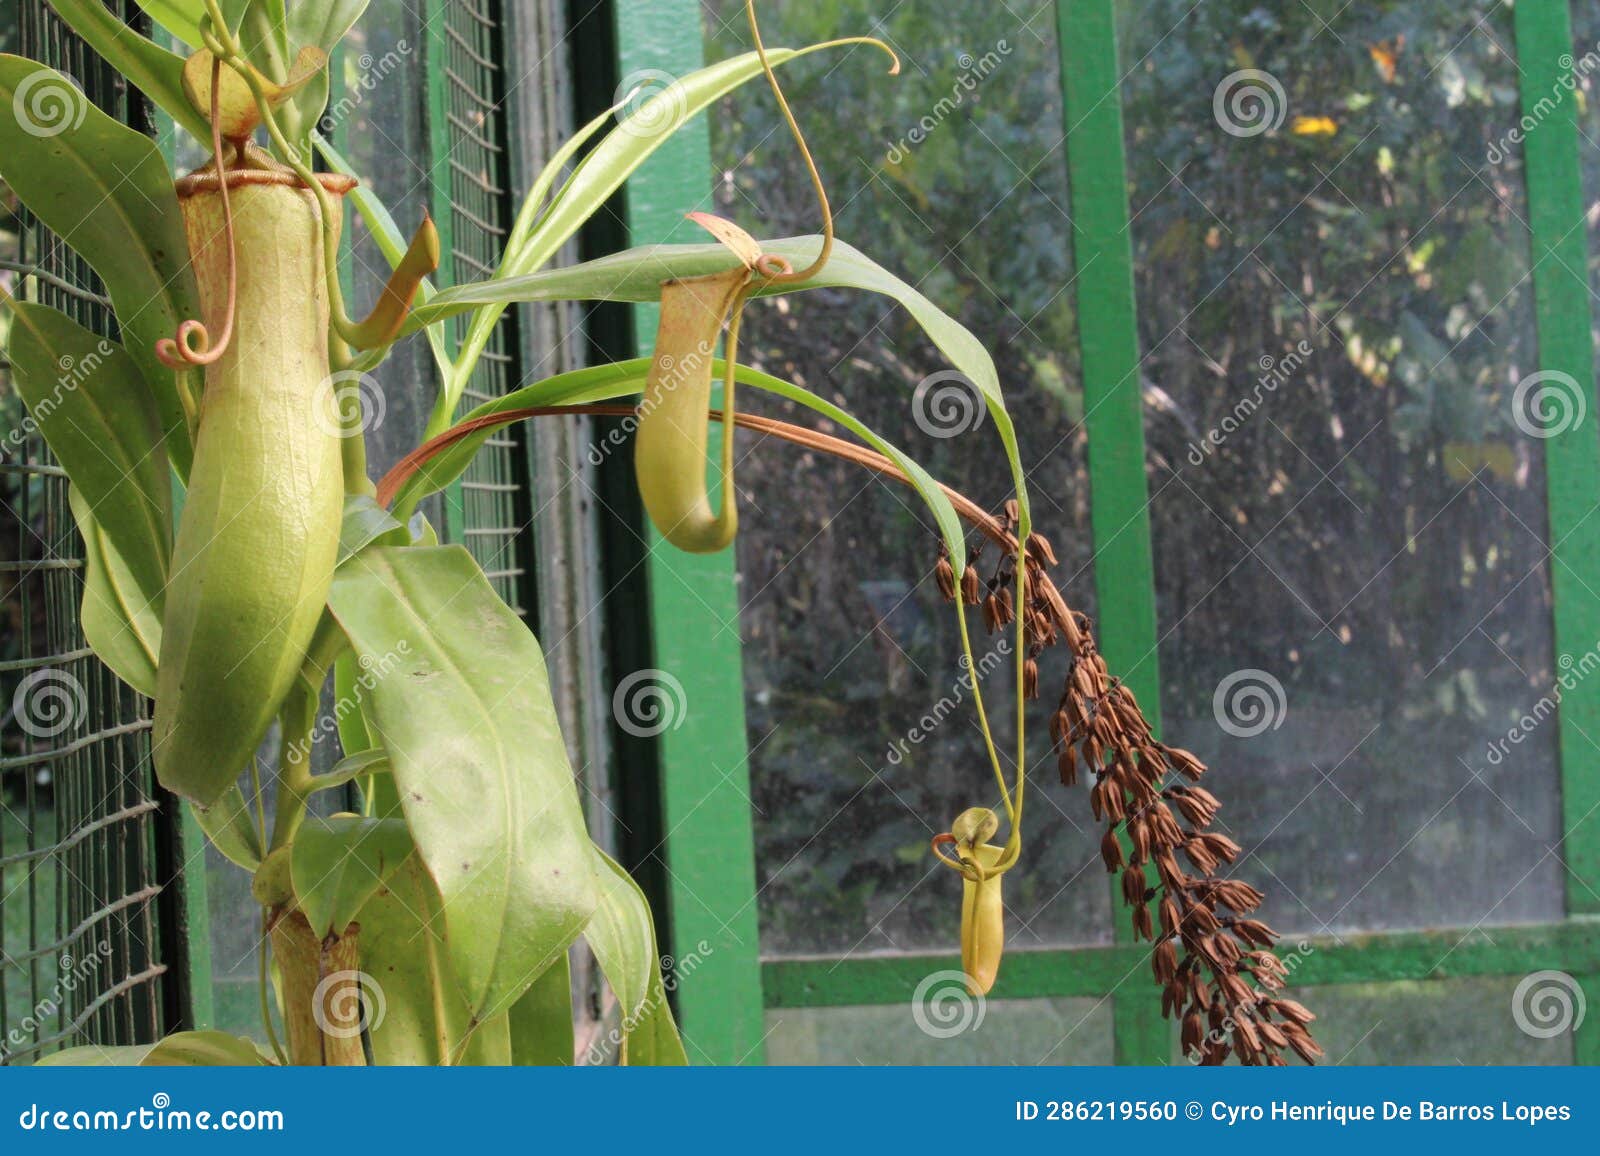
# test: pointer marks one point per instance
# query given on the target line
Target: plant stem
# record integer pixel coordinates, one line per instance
(295, 784)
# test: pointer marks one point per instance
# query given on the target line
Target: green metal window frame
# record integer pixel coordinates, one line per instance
(693, 610)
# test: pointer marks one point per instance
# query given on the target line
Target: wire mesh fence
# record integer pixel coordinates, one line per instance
(84, 846)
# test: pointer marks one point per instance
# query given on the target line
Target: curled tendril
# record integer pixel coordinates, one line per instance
(773, 266)
(192, 344)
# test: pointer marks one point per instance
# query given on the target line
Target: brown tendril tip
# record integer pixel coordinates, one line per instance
(193, 345)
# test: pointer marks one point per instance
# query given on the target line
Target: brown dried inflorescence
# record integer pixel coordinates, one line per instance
(1214, 963)
(1208, 951)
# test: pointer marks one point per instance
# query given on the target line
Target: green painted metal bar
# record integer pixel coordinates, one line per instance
(1109, 339)
(1123, 971)
(1572, 457)
(694, 624)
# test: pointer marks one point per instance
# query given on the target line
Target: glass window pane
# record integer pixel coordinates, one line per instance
(1347, 481)
(1412, 1023)
(951, 175)
(1021, 1031)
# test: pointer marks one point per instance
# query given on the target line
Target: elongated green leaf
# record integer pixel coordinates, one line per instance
(418, 1015)
(541, 1021)
(227, 823)
(637, 275)
(353, 736)
(153, 70)
(179, 17)
(364, 523)
(623, 378)
(181, 1050)
(323, 23)
(339, 863)
(466, 716)
(120, 618)
(623, 936)
(89, 400)
(106, 191)
(348, 770)
(635, 139)
(597, 383)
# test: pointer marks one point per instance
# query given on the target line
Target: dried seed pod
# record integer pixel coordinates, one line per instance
(1111, 851)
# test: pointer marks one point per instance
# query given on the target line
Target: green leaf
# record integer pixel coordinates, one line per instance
(625, 377)
(423, 1018)
(623, 936)
(637, 275)
(153, 70)
(339, 863)
(319, 24)
(597, 383)
(323, 23)
(87, 397)
(120, 618)
(182, 1050)
(364, 523)
(228, 824)
(348, 770)
(179, 17)
(635, 139)
(105, 189)
(465, 712)
(540, 1022)
(353, 736)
